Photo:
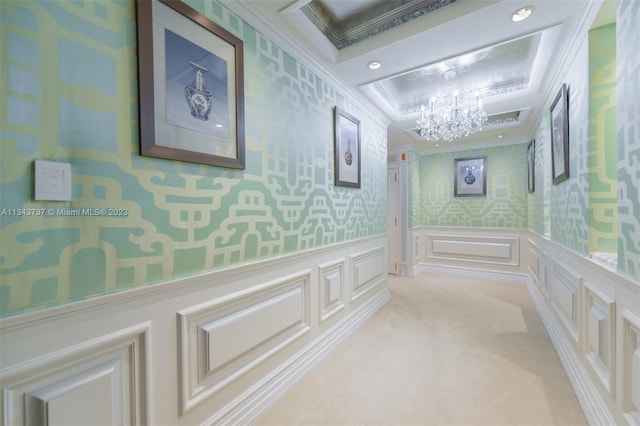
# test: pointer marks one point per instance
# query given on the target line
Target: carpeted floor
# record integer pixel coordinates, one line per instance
(445, 351)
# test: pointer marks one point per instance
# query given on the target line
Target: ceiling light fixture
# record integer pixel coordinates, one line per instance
(374, 65)
(522, 14)
(451, 114)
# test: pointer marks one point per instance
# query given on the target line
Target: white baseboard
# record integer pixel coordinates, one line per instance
(594, 407)
(248, 407)
(483, 274)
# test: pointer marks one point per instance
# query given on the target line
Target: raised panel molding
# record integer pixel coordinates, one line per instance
(599, 334)
(475, 249)
(331, 288)
(543, 272)
(367, 271)
(565, 296)
(417, 249)
(534, 259)
(631, 367)
(225, 337)
(102, 381)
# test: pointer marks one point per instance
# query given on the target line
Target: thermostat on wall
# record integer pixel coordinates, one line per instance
(53, 181)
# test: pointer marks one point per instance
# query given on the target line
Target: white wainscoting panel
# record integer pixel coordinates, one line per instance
(543, 272)
(565, 296)
(534, 262)
(487, 250)
(99, 382)
(213, 348)
(331, 288)
(599, 333)
(592, 315)
(367, 271)
(631, 367)
(223, 338)
(417, 249)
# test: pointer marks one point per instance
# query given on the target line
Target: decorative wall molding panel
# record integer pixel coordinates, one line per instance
(223, 345)
(97, 382)
(599, 313)
(534, 267)
(631, 367)
(565, 295)
(543, 272)
(595, 406)
(476, 252)
(267, 317)
(249, 406)
(487, 250)
(367, 270)
(593, 319)
(331, 288)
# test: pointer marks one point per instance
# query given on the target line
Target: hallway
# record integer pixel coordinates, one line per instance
(445, 351)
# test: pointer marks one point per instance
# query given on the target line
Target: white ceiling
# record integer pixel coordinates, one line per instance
(416, 40)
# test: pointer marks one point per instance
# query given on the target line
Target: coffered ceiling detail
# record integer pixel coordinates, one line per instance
(348, 22)
(512, 66)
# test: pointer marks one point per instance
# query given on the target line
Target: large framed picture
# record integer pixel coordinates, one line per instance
(347, 149)
(531, 165)
(560, 136)
(470, 176)
(190, 73)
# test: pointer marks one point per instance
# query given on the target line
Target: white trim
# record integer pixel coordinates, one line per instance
(253, 403)
(482, 274)
(247, 12)
(594, 407)
(171, 285)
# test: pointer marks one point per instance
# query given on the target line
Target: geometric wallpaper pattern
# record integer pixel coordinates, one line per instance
(628, 96)
(570, 198)
(505, 205)
(539, 200)
(69, 94)
(603, 145)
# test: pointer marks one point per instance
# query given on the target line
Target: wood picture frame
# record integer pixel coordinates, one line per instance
(191, 86)
(531, 166)
(470, 176)
(560, 136)
(346, 149)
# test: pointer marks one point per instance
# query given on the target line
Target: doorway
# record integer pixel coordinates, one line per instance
(392, 215)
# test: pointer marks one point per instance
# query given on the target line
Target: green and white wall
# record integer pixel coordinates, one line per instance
(265, 269)
(69, 94)
(505, 205)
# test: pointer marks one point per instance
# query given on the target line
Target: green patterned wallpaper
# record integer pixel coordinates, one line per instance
(69, 93)
(570, 198)
(505, 205)
(628, 95)
(539, 200)
(603, 153)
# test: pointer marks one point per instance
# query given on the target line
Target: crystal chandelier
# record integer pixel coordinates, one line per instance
(451, 114)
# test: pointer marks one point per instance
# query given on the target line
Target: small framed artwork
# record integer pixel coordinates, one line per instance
(190, 79)
(470, 177)
(560, 136)
(531, 165)
(347, 149)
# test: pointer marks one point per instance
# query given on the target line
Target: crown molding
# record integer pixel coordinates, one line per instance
(251, 15)
(567, 55)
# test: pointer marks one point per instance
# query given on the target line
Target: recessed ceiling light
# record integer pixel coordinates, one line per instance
(374, 65)
(522, 14)
(501, 135)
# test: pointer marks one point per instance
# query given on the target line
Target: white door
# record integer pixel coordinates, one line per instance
(392, 217)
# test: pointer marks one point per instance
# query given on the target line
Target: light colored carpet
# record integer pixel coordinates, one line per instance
(445, 351)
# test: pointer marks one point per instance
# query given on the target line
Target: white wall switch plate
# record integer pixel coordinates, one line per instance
(53, 181)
